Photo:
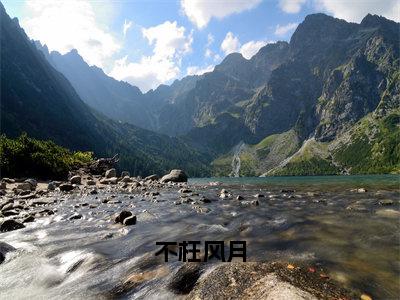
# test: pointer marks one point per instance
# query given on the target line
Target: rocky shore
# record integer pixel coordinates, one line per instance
(114, 199)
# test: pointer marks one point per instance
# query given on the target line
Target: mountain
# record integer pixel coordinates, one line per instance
(290, 107)
(335, 97)
(37, 99)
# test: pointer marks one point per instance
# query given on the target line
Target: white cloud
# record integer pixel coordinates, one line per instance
(64, 25)
(210, 40)
(291, 6)
(200, 12)
(251, 48)
(282, 30)
(170, 44)
(126, 26)
(232, 44)
(208, 53)
(195, 70)
(356, 10)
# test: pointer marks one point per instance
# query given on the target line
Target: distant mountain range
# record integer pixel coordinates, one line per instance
(327, 102)
(39, 100)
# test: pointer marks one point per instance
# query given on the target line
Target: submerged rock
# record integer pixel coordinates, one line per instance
(386, 202)
(122, 216)
(129, 221)
(66, 187)
(175, 176)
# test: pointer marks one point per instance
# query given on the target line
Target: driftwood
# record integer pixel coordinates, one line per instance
(101, 165)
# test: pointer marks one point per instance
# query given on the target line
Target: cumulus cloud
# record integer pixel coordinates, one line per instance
(126, 26)
(356, 10)
(291, 6)
(170, 44)
(64, 25)
(195, 70)
(251, 48)
(232, 44)
(282, 30)
(200, 12)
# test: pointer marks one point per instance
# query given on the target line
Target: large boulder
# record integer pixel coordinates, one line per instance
(111, 173)
(175, 176)
(122, 216)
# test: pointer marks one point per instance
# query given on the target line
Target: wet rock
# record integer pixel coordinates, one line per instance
(8, 180)
(93, 192)
(258, 196)
(287, 191)
(175, 176)
(32, 182)
(66, 187)
(154, 194)
(126, 179)
(3, 185)
(205, 200)
(24, 186)
(8, 213)
(386, 202)
(388, 213)
(75, 216)
(357, 207)
(113, 180)
(111, 173)
(28, 219)
(122, 216)
(4, 249)
(239, 198)
(51, 186)
(125, 174)
(153, 177)
(249, 203)
(185, 278)
(9, 225)
(361, 190)
(91, 182)
(129, 221)
(76, 179)
(184, 191)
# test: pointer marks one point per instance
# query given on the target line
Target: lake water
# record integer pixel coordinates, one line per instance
(325, 222)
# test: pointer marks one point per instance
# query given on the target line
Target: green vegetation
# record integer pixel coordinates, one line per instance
(27, 157)
(374, 146)
(311, 166)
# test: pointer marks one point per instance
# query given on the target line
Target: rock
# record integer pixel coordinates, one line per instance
(28, 219)
(3, 185)
(4, 248)
(287, 191)
(122, 216)
(249, 203)
(239, 198)
(8, 213)
(33, 183)
(66, 187)
(184, 191)
(388, 213)
(185, 278)
(75, 179)
(205, 200)
(75, 216)
(361, 190)
(357, 207)
(51, 186)
(24, 186)
(125, 174)
(9, 225)
(104, 181)
(175, 176)
(8, 180)
(259, 196)
(111, 173)
(386, 202)
(113, 180)
(129, 221)
(126, 179)
(153, 177)
(91, 182)
(93, 192)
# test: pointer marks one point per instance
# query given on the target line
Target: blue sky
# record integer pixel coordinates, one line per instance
(148, 43)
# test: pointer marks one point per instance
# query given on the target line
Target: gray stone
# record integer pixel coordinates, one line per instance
(122, 216)
(111, 173)
(126, 179)
(51, 186)
(24, 186)
(129, 221)
(66, 187)
(32, 182)
(175, 176)
(76, 179)
(151, 177)
(125, 173)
